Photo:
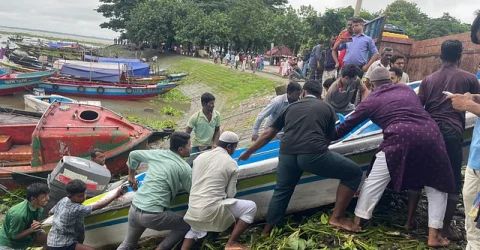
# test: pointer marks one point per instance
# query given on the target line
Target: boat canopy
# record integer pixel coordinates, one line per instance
(61, 45)
(110, 59)
(110, 72)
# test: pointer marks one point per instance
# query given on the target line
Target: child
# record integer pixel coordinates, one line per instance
(68, 228)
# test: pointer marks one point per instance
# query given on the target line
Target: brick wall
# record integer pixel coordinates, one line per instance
(423, 57)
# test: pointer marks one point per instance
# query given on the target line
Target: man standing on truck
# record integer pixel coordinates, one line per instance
(357, 47)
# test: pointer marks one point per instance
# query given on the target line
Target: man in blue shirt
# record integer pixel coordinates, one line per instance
(275, 107)
(358, 47)
(471, 186)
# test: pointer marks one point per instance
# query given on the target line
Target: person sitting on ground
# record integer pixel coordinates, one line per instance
(296, 72)
(212, 206)
(21, 228)
(275, 107)
(328, 83)
(398, 61)
(98, 156)
(342, 91)
(309, 126)
(68, 228)
(167, 173)
(395, 74)
(205, 124)
(412, 154)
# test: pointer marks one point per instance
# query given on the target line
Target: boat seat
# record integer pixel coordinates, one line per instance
(5, 143)
(17, 155)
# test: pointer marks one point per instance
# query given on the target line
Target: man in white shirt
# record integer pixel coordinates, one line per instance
(211, 206)
(384, 61)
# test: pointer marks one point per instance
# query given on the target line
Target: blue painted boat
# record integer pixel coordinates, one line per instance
(103, 90)
(256, 182)
(41, 103)
(17, 82)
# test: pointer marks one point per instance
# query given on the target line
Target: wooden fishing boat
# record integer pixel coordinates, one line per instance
(17, 67)
(17, 82)
(104, 90)
(41, 103)
(256, 182)
(32, 149)
(176, 77)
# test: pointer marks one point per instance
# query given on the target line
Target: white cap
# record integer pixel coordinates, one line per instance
(229, 137)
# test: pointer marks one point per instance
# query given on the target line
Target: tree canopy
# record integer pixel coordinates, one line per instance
(254, 24)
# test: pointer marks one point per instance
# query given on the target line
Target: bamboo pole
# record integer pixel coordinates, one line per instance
(358, 8)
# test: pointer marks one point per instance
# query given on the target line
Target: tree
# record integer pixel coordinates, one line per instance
(248, 19)
(288, 29)
(152, 21)
(406, 15)
(118, 11)
(443, 26)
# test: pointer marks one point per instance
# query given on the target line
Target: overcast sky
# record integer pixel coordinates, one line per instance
(79, 17)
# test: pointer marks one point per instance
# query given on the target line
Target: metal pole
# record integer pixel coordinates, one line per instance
(358, 7)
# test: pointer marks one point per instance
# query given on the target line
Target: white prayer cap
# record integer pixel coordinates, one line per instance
(229, 137)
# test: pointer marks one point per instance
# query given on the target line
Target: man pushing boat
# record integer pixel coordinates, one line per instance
(211, 206)
(309, 127)
(166, 173)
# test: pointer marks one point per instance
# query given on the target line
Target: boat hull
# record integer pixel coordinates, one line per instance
(36, 102)
(105, 91)
(256, 182)
(67, 129)
(21, 82)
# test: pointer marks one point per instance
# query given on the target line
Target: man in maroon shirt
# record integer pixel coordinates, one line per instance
(451, 122)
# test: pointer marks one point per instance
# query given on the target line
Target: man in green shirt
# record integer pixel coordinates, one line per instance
(21, 227)
(205, 124)
(166, 173)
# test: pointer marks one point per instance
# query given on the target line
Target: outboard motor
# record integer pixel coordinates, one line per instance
(70, 168)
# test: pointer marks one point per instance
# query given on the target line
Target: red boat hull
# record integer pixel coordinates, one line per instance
(67, 129)
(16, 89)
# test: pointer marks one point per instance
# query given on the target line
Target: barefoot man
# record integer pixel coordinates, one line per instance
(309, 126)
(211, 206)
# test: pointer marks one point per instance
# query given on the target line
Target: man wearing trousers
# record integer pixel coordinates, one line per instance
(167, 172)
(309, 126)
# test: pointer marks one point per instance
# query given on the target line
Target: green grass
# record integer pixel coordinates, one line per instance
(233, 85)
(171, 111)
(152, 122)
(174, 95)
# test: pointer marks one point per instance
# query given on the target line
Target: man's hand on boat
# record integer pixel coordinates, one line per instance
(466, 102)
(132, 182)
(264, 138)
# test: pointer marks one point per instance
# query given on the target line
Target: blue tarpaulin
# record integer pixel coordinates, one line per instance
(58, 45)
(105, 75)
(110, 59)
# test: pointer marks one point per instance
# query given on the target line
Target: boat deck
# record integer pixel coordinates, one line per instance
(14, 118)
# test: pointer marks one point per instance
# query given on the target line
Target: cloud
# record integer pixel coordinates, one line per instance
(68, 16)
(462, 10)
(79, 17)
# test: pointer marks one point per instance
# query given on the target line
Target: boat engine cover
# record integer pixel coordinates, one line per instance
(70, 168)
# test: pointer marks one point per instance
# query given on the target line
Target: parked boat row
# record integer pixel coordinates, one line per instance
(115, 78)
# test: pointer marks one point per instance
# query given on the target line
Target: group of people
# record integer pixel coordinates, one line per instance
(243, 60)
(421, 149)
(422, 146)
